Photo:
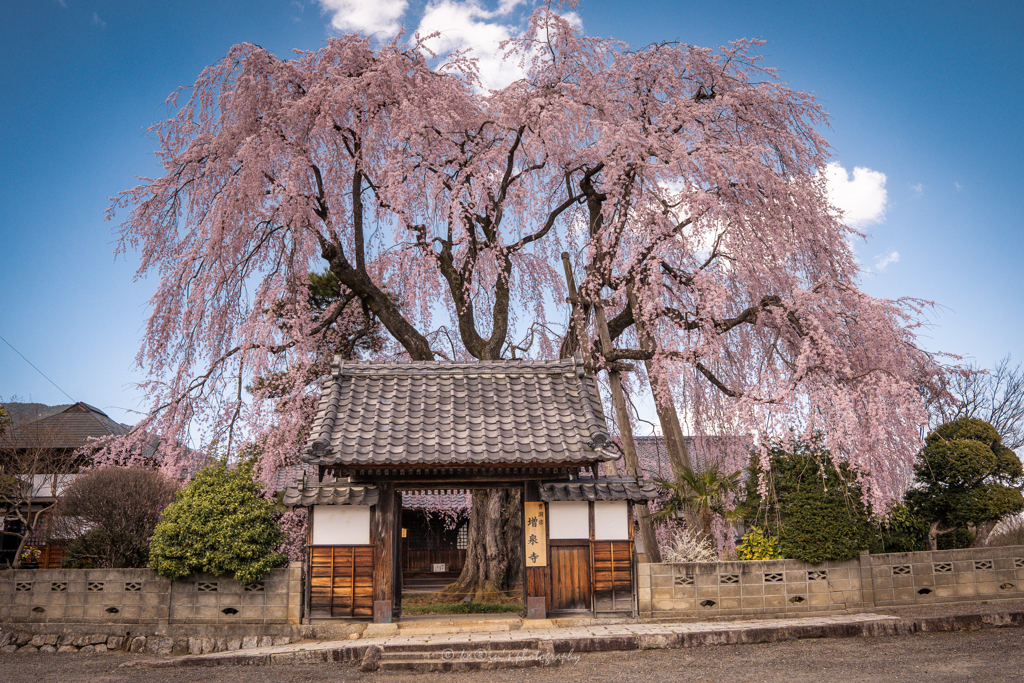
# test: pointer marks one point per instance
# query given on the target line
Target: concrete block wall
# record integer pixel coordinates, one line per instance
(703, 589)
(947, 576)
(747, 588)
(141, 596)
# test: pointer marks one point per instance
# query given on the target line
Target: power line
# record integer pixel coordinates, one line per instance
(37, 369)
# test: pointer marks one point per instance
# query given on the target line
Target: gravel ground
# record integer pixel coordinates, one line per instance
(950, 608)
(989, 655)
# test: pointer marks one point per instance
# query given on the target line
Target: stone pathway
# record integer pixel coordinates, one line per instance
(466, 650)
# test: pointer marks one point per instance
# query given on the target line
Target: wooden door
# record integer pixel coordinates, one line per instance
(613, 576)
(570, 577)
(341, 581)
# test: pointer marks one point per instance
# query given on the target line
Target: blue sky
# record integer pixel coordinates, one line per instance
(928, 95)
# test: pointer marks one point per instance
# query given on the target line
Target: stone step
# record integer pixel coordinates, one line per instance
(459, 660)
(442, 624)
(448, 629)
(494, 646)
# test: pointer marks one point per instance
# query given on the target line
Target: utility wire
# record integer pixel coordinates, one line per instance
(37, 369)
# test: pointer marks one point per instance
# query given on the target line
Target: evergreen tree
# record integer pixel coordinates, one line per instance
(965, 477)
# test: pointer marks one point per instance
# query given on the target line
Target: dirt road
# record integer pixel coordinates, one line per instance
(990, 655)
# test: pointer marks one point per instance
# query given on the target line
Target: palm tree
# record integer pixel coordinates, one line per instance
(701, 494)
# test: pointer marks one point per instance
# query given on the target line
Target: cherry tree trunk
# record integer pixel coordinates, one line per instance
(494, 554)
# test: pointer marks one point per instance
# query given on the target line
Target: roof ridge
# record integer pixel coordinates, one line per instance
(439, 367)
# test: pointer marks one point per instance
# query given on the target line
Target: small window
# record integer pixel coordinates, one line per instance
(462, 537)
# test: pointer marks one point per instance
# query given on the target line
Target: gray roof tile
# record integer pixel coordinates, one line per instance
(437, 413)
(620, 488)
(330, 494)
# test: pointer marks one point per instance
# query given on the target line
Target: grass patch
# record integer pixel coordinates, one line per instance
(462, 608)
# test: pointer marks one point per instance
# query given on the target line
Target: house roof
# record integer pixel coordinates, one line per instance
(70, 427)
(610, 488)
(652, 452)
(305, 475)
(330, 494)
(439, 413)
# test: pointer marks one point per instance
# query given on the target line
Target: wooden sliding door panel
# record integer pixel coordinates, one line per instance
(341, 581)
(613, 576)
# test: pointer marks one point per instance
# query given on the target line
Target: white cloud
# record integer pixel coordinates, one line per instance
(366, 16)
(97, 21)
(918, 189)
(883, 260)
(958, 186)
(862, 199)
(471, 26)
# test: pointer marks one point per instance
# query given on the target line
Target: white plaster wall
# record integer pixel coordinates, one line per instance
(341, 525)
(568, 519)
(611, 520)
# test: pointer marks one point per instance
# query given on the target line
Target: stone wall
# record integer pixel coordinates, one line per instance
(140, 596)
(703, 589)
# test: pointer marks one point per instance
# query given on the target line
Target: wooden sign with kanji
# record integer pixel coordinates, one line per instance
(535, 531)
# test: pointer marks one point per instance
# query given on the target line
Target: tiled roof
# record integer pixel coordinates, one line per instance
(704, 450)
(303, 476)
(621, 488)
(293, 475)
(436, 500)
(70, 428)
(330, 494)
(438, 413)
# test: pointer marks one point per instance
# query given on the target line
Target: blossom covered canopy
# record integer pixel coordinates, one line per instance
(689, 176)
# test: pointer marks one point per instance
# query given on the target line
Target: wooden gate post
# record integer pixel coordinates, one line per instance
(384, 555)
(396, 609)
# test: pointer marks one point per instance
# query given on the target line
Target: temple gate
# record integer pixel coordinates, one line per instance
(535, 426)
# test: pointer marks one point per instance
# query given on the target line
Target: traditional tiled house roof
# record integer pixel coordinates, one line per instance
(653, 454)
(296, 478)
(611, 488)
(479, 413)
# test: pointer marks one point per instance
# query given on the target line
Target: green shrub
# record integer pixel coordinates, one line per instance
(218, 524)
(815, 510)
(900, 531)
(756, 546)
(957, 539)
